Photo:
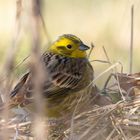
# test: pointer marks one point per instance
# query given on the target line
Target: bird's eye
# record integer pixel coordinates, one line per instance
(69, 46)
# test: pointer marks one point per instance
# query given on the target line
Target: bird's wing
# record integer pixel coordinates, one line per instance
(59, 79)
(17, 96)
(61, 83)
(64, 74)
(19, 85)
(57, 84)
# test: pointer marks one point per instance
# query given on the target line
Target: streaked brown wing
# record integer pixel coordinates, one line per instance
(20, 85)
(60, 84)
(17, 94)
(65, 74)
(60, 78)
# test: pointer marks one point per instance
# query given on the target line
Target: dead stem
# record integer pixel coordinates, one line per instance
(131, 39)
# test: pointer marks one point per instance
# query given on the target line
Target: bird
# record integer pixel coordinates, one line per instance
(67, 84)
(68, 77)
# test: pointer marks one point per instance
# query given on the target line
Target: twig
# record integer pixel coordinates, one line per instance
(122, 133)
(110, 135)
(107, 81)
(92, 46)
(45, 29)
(108, 69)
(102, 61)
(107, 57)
(120, 90)
(72, 120)
(131, 39)
(99, 132)
(9, 64)
(16, 134)
(37, 69)
(97, 122)
(19, 125)
(21, 62)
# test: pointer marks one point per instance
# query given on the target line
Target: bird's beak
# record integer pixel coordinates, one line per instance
(83, 47)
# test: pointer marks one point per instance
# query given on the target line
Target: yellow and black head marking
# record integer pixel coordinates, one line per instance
(69, 45)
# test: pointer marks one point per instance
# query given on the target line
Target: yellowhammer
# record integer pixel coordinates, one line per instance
(67, 80)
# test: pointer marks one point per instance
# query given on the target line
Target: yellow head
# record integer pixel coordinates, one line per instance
(70, 46)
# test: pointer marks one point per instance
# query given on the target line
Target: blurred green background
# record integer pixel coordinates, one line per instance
(103, 22)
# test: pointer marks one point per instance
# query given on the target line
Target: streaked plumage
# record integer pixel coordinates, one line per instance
(66, 78)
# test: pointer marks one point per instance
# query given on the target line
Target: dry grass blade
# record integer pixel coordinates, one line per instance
(92, 47)
(9, 64)
(98, 121)
(102, 61)
(106, 55)
(131, 38)
(45, 29)
(108, 69)
(110, 135)
(37, 68)
(98, 132)
(72, 120)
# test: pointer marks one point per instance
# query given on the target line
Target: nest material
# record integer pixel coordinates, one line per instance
(119, 121)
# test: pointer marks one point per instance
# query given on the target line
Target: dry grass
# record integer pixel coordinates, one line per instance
(120, 120)
(105, 120)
